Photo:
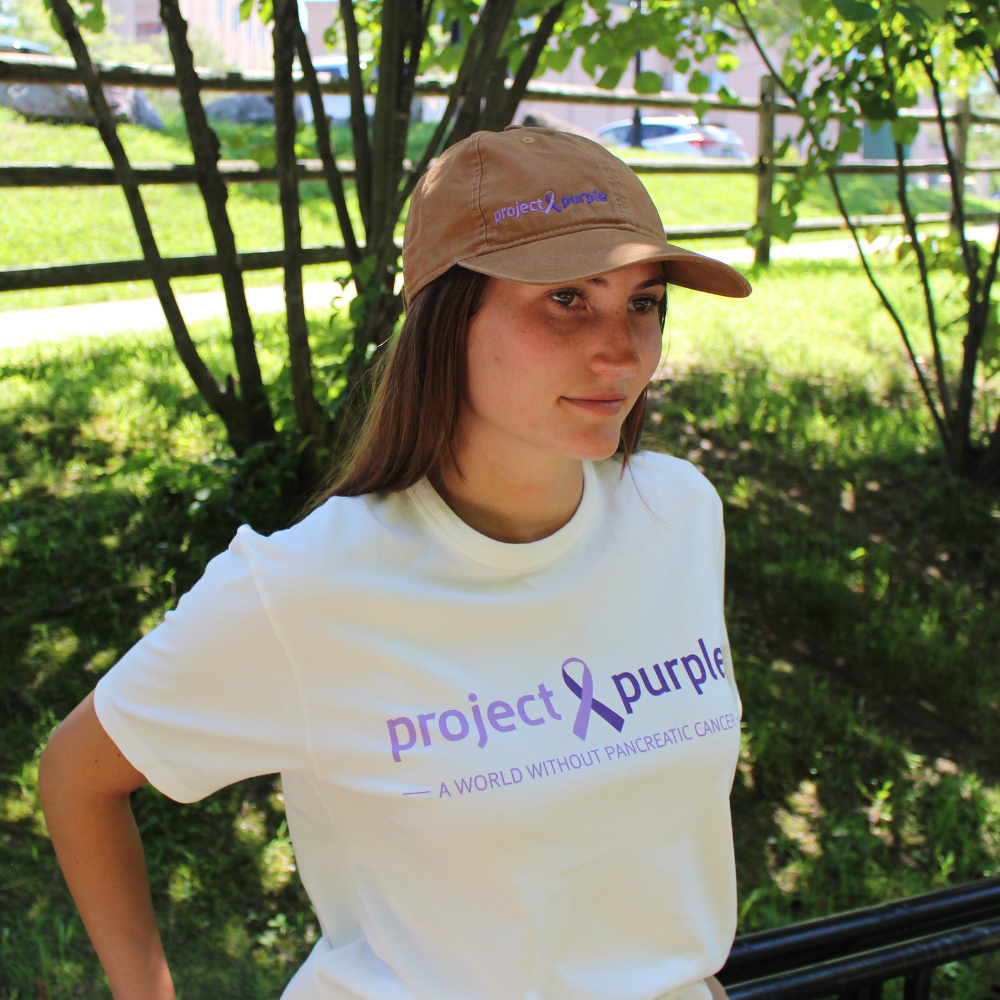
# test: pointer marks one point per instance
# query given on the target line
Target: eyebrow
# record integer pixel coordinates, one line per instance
(651, 283)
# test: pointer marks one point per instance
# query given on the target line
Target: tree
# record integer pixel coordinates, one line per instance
(489, 49)
(854, 60)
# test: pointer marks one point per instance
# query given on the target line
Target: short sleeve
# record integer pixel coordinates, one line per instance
(209, 696)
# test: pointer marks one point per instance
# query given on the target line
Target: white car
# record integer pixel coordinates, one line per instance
(678, 134)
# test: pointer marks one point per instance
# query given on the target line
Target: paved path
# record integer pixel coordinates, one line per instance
(24, 326)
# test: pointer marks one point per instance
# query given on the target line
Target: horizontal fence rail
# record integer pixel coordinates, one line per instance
(768, 952)
(249, 172)
(29, 69)
(18, 68)
(19, 279)
(850, 955)
(842, 976)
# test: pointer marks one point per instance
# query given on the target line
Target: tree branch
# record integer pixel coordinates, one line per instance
(526, 70)
(389, 122)
(925, 283)
(942, 427)
(221, 400)
(359, 117)
(494, 17)
(334, 182)
(969, 258)
(311, 419)
(205, 146)
(989, 466)
(386, 241)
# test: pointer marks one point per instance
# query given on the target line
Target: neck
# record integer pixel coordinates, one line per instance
(510, 501)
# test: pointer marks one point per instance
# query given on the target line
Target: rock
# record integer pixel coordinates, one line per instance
(143, 113)
(41, 102)
(246, 108)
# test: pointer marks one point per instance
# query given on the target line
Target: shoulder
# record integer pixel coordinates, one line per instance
(340, 533)
(662, 483)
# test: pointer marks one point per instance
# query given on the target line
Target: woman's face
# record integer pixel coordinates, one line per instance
(556, 368)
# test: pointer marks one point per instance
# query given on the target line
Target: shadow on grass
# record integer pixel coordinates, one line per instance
(862, 604)
(101, 528)
(863, 586)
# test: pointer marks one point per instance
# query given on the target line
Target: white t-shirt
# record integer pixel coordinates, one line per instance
(506, 768)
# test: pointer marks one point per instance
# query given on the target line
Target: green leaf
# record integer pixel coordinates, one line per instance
(782, 226)
(266, 15)
(849, 140)
(905, 130)
(94, 19)
(727, 62)
(726, 96)
(698, 83)
(855, 10)
(700, 107)
(648, 83)
(682, 65)
(871, 233)
(611, 77)
(246, 9)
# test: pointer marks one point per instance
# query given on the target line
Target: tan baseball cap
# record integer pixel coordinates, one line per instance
(541, 206)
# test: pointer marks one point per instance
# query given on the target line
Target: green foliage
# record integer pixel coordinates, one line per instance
(863, 610)
(852, 61)
(648, 82)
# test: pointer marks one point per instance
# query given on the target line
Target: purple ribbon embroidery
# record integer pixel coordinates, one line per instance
(588, 702)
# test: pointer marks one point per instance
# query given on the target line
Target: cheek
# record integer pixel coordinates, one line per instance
(649, 344)
(510, 371)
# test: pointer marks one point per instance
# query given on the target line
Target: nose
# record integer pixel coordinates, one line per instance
(614, 351)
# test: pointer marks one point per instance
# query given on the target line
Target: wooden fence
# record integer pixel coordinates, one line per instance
(30, 69)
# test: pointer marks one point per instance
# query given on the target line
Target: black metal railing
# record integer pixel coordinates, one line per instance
(851, 955)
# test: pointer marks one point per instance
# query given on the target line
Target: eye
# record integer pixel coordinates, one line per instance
(565, 297)
(644, 304)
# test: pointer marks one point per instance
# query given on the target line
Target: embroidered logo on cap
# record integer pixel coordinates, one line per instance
(547, 203)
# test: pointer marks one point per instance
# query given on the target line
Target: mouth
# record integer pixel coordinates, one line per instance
(601, 404)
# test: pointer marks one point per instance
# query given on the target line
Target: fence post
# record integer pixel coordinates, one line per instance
(960, 149)
(765, 168)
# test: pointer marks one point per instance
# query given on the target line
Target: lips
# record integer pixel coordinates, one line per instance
(602, 404)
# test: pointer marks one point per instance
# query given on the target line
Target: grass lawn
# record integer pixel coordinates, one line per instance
(863, 587)
(68, 225)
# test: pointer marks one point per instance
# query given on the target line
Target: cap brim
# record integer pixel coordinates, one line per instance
(590, 252)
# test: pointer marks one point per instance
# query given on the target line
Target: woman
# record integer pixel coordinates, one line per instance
(491, 666)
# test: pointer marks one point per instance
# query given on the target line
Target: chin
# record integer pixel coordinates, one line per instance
(593, 449)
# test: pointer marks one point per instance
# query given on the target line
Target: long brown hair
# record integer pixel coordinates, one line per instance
(422, 384)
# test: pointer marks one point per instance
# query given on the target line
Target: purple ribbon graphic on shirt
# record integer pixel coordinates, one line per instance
(588, 703)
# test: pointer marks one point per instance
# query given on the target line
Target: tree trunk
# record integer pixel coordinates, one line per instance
(334, 182)
(205, 145)
(311, 418)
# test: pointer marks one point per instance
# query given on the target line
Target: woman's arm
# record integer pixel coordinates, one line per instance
(85, 781)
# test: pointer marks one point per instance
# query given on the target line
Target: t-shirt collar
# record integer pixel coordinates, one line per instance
(525, 556)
